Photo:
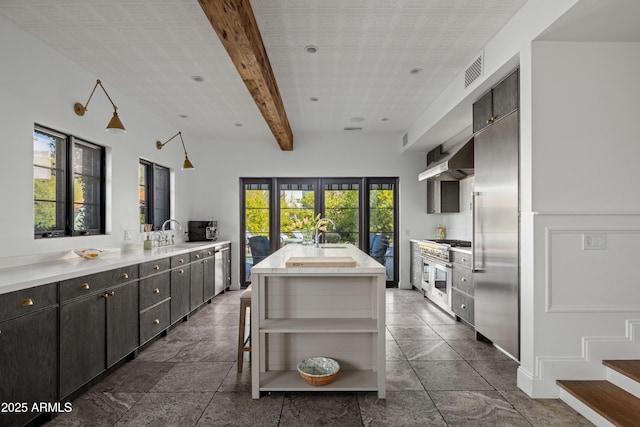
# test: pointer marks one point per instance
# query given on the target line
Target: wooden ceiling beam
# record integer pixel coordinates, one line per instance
(236, 26)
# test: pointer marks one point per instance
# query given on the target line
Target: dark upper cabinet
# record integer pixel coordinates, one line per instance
(497, 103)
(443, 196)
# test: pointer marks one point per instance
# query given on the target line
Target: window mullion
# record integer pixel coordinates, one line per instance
(69, 176)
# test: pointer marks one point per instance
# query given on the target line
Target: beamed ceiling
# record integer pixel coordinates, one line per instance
(359, 77)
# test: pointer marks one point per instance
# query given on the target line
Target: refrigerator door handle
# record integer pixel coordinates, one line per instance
(476, 253)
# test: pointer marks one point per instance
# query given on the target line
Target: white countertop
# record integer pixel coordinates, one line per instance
(30, 275)
(275, 263)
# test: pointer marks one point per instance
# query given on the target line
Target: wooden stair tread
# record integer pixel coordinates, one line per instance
(611, 402)
(629, 368)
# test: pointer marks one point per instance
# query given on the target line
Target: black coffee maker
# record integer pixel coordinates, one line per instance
(200, 231)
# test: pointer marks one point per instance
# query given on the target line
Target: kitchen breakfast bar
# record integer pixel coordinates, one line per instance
(318, 301)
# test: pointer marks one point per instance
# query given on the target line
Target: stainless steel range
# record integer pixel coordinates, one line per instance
(436, 270)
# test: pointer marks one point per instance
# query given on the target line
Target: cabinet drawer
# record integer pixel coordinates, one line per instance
(178, 260)
(154, 320)
(462, 279)
(198, 255)
(461, 258)
(25, 301)
(86, 285)
(153, 267)
(463, 306)
(154, 289)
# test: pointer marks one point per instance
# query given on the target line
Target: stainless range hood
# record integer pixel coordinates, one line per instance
(455, 165)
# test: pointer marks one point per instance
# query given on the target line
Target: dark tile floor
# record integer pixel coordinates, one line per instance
(437, 375)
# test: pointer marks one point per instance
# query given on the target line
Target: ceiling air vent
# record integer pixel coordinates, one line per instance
(405, 139)
(474, 70)
(352, 129)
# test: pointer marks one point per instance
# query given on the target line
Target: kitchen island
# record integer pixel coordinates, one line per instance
(329, 302)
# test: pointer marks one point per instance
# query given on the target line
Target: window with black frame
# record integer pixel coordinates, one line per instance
(154, 189)
(363, 212)
(68, 185)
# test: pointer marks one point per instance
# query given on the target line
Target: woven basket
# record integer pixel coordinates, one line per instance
(318, 371)
(318, 380)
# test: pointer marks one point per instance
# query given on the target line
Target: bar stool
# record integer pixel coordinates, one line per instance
(244, 342)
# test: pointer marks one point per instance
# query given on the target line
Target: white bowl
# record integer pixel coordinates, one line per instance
(318, 370)
(90, 253)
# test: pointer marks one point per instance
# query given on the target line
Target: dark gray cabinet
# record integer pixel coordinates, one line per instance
(197, 280)
(28, 351)
(180, 287)
(155, 294)
(443, 196)
(122, 322)
(82, 342)
(57, 338)
(209, 274)
(462, 287)
(98, 324)
(497, 103)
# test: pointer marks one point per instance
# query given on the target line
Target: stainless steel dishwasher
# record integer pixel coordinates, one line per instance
(221, 256)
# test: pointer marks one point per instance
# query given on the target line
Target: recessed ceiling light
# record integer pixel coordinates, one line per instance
(313, 99)
(183, 116)
(416, 70)
(385, 119)
(357, 119)
(198, 79)
(239, 125)
(311, 48)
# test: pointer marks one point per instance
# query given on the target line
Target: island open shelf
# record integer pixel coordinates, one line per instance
(333, 311)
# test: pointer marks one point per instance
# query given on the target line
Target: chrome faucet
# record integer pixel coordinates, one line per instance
(164, 236)
(319, 223)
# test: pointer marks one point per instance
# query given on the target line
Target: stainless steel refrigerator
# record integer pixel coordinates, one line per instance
(496, 223)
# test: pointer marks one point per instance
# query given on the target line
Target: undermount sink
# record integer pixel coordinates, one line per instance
(332, 247)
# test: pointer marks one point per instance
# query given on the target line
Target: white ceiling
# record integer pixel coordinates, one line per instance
(150, 49)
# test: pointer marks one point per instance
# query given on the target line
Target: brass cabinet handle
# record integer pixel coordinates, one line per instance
(464, 279)
(198, 256)
(106, 295)
(209, 253)
(112, 293)
(156, 267)
(26, 303)
(464, 259)
(124, 276)
(463, 306)
(156, 291)
(84, 286)
(156, 322)
(180, 260)
(206, 262)
(181, 271)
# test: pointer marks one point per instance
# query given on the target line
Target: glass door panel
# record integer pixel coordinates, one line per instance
(257, 221)
(341, 202)
(382, 224)
(297, 212)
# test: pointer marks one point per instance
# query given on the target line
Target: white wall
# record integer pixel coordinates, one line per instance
(583, 139)
(41, 86)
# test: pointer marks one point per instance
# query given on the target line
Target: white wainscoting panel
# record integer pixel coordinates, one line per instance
(588, 280)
